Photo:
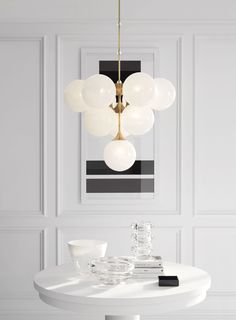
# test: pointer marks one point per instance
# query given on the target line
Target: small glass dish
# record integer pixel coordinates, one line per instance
(112, 270)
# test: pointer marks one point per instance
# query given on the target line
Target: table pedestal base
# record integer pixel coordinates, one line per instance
(134, 317)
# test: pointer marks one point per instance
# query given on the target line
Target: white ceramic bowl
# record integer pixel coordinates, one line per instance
(82, 251)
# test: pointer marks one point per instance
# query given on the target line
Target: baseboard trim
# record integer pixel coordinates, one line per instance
(62, 315)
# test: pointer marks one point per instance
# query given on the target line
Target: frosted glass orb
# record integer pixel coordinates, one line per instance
(138, 120)
(114, 130)
(164, 94)
(73, 96)
(99, 122)
(99, 91)
(119, 155)
(139, 89)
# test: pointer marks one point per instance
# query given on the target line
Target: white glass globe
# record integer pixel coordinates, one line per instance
(99, 122)
(99, 91)
(138, 120)
(119, 155)
(114, 130)
(165, 94)
(73, 96)
(139, 89)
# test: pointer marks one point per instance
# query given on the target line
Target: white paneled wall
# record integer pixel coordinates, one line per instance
(208, 242)
(43, 202)
(16, 246)
(21, 81)
(119, 240)
(215, 130)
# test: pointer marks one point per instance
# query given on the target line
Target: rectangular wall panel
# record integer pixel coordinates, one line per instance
(21, 72)
(166, 242)
(214, 251)
(22, 256)
(76, 146)
(215, 130)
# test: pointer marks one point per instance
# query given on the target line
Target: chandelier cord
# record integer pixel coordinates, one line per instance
(119, 53)
(119, 134)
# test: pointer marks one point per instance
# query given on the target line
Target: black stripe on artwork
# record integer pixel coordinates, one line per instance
(119, 185)
(99, 167)
(110, 69)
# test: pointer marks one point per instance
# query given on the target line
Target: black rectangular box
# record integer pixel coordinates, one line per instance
(168, 281)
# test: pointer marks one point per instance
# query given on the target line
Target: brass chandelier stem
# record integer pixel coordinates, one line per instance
(119, 83)
(119, 53)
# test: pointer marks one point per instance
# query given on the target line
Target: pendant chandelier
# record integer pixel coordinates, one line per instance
(120, 109)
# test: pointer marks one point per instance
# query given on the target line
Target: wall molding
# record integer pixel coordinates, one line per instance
(42, 127)
(54, 314)
(207, 21)
(89, 207)
(196, 211)
(214, 293)
(42, 232)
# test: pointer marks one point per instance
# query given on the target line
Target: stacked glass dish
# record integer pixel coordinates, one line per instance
(112, 270)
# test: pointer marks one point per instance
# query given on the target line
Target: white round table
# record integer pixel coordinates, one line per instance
(61, 287)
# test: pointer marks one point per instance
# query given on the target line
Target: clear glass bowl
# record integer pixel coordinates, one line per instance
(112, 270)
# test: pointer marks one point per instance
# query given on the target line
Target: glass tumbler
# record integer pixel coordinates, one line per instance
(141, 240)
